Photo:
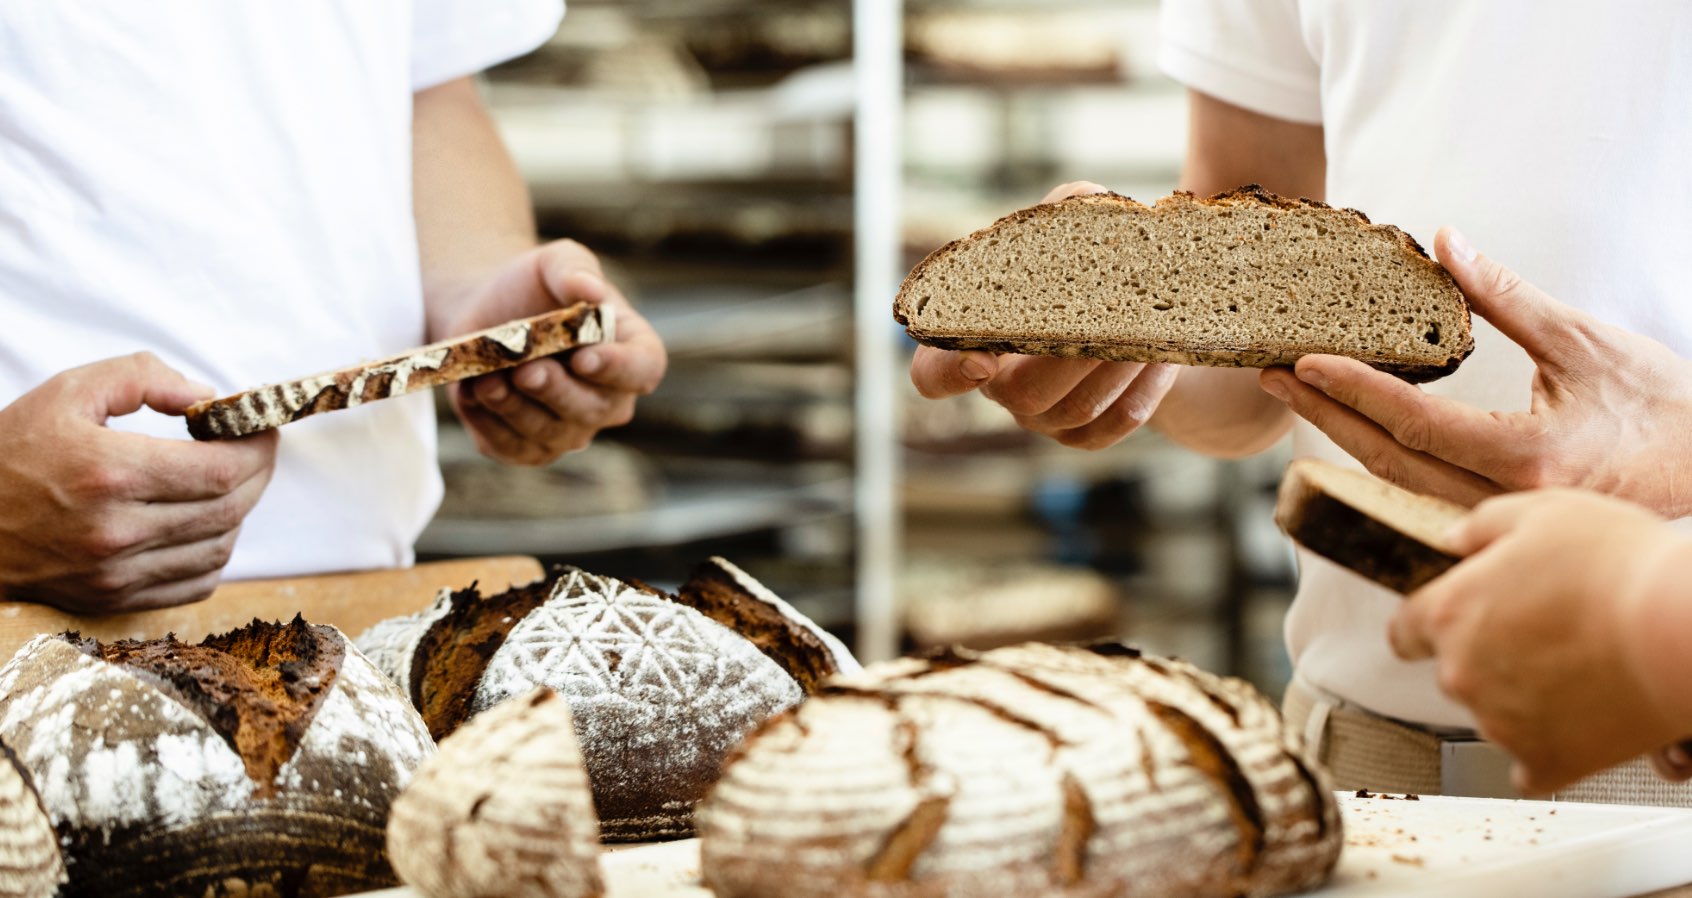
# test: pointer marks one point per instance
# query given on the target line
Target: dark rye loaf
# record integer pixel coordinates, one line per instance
(1242, 279)
(505, 346)
(1027, 770)
(660, 690)
(1374, 528)
(258, 762)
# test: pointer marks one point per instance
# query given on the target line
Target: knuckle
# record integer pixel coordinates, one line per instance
(1499, 280)
(1385, 464)
(1413, 432)
(109, 583)
(1456, 681)
(106, 539)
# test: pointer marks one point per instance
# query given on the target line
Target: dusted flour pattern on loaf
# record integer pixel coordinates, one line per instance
(660, 693)
(30, 863)
(503, 809)
(661, 688)
(151, 793)
(1022, 771)
(505, 346)
(1242, 279)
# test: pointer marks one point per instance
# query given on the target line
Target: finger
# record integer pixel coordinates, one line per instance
(181, 523)
(1031, 384)
(176, 592)
(1672, 762)
(1408, 632)
(1073, 188)
(160, 470)
(1489, 521)
(1128, 413)
(496, 439)
(632, 367)
(939, 373)
(170, 575)
(1089, 399)
(1524, 313)
(1419, 421)
(121, 386)
(1370, 444)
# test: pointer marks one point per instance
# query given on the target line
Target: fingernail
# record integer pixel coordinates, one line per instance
(588, 363)
(1313, 377)
(530, 378)
(1460, 246)
(1453, 534)
(1275, 388)
(973, 369)
(496, 391)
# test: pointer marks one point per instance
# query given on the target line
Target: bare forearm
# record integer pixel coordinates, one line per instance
(471, 206)
(1220, 411)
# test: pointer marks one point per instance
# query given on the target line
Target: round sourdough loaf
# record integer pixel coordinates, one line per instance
(660, 690)
(31, 865)
(258, 762)
(502, 810)
(1028, 770)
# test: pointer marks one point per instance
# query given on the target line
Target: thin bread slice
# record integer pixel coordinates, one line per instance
(459, 358)
(1243, 279)
(1383, 532)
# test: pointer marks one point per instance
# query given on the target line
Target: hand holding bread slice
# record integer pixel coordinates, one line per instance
(1242, 279)
(1380, 531)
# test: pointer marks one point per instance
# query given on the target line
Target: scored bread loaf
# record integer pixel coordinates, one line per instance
(1374, 528)
(460, 358)
(503, 809)
(1026, 770)
(257, 762)
(1242, 279)
(660, 691)
(31, 865)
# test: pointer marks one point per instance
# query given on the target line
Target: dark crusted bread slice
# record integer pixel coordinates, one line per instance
(505, 346)
(1243, 279)
(1381, 531)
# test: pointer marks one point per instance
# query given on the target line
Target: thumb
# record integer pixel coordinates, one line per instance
(121, 386)
(1073, 188)
(1521, 311)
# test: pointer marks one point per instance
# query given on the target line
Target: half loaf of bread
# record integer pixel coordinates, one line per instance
(460, 358)
(1026, 770)
(1242, 279)
(1381, 531)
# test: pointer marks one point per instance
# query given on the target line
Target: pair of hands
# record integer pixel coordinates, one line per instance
(1541, 632)
(97, 520)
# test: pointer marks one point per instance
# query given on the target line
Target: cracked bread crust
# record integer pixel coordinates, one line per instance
(1202, 345)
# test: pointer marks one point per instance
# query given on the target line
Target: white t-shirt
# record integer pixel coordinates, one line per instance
(228, 185)
(1556, 135)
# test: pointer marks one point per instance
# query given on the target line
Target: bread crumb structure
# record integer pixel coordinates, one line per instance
(502, 811)
(1027, 770)
(1242, 279)
(258, 762)
(660, 691)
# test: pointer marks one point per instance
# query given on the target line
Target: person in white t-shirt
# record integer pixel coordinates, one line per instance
(1559, 142)
(199, 198)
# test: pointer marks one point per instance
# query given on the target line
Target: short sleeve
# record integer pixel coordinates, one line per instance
(1250, 53)
(454, 38)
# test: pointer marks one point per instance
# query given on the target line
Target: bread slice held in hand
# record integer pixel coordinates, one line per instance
(1380, 531)
(461, 358)
(1243, 279)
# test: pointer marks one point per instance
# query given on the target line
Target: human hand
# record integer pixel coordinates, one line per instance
(97, 520)
(1611, 410)
(539, 410)
(1083, 403)
(1548, 631)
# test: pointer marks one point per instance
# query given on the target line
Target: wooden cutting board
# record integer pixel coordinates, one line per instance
(351, 601)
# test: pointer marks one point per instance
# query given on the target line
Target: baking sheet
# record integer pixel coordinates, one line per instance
(1432, 846)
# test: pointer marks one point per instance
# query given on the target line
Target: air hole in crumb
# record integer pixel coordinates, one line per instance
(1163, 305)
(1432, 336)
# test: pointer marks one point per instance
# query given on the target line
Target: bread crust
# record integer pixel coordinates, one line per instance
(1259, 355)
(510, 344)
(1344, 534)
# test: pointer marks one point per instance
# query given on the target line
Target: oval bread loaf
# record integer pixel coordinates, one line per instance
(1242, 279)
(1028, 770)
(659, 688)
